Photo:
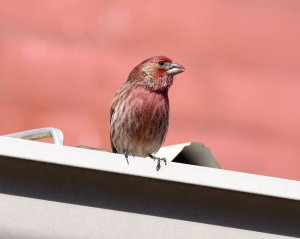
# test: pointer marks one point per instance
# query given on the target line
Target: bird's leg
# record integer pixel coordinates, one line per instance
(126, 156)
(158, 161)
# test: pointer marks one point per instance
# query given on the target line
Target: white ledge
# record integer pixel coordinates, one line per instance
(145, 167)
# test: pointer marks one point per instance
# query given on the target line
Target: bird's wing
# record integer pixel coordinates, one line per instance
(118, 96)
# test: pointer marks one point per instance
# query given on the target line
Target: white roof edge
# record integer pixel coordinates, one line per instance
(145, 167)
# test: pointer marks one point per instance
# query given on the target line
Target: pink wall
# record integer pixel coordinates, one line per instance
(62, 61)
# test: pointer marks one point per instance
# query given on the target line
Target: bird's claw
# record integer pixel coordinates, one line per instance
(158, 166)
(126, 156)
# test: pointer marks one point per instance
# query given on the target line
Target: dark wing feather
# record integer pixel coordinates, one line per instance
(118, 97)
(135, 75)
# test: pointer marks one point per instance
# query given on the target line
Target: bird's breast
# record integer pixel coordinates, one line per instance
(148, 106)
(145, 121)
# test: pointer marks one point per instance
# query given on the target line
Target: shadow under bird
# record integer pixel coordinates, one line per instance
(139, 116)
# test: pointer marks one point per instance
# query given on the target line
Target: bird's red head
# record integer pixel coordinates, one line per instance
(156, 72)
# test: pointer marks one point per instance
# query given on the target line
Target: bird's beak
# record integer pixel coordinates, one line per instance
(175, 69)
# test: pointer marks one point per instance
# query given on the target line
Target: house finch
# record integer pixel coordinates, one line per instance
(139, 114)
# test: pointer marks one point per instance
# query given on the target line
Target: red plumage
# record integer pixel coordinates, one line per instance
(140, 110)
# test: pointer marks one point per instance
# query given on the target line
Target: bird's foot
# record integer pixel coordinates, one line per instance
(158, 161)
(126, 156)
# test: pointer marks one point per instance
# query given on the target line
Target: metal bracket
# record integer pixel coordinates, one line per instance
(34, 134)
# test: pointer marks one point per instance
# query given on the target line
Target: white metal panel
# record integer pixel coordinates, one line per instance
(50, 191)
(145, 167)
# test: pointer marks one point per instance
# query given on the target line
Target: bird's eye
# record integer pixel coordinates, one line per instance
(161, 63)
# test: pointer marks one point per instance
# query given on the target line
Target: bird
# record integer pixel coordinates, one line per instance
(139, 116)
